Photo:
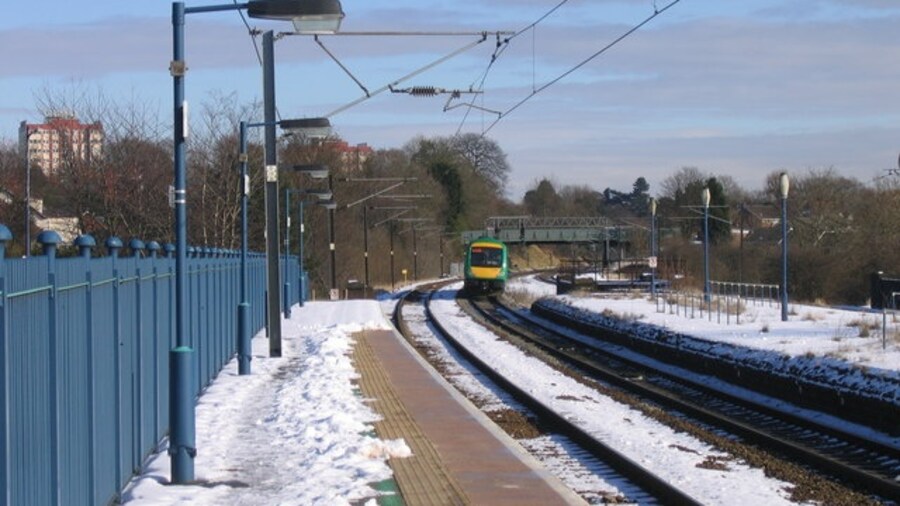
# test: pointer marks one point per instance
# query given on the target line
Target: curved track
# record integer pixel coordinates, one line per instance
(660, 489)
(867, 465)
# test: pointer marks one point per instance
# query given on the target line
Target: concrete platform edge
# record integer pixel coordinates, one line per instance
(521, 453)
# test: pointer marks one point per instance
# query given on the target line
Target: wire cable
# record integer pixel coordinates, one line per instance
(407, 76)
(582, 63)
(252, 32)
(498, 51)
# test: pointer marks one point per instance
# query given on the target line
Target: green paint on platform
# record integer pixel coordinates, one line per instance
(392, 497)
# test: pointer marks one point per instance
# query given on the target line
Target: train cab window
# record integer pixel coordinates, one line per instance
(487, 257)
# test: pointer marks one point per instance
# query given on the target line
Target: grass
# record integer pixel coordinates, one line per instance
(865, 326)
(521, 298)
(812, 317)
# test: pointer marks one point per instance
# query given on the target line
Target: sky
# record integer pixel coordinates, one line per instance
(734, 88)
(305, 403)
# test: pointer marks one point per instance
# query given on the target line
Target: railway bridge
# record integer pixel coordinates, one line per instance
(528, 229)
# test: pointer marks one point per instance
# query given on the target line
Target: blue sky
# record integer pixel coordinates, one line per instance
(734, 88)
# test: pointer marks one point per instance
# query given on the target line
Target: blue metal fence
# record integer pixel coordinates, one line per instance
(84, 366)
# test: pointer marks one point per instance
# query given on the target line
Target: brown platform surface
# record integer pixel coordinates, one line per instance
(459, 456)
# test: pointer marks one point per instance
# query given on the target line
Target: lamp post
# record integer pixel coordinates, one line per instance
(393, 284)
(181, 413)
(784, 186)
(333, 293)
(653, 258)
(366, 248)
(705, 196)
(28, 192)
(412, 226)
(314, 17)
(243, 311)
(402, 210)
(330, 204)
(315, 171)
(415, 255)
(325, 198)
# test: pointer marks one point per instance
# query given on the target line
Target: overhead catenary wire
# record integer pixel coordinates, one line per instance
(252, 32)
(582, 63)
(341, 65)
(498, 51)
(408, 76)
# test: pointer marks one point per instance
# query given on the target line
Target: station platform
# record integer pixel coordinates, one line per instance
(459, 455)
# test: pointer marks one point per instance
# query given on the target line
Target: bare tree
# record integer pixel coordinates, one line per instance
(485, 156)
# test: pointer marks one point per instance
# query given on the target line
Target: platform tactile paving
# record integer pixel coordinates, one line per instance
(422, 478)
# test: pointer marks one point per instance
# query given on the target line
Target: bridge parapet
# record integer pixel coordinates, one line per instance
(517, 222)
(549, 234)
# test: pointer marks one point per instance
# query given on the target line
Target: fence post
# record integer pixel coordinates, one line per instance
(49, 240)
(153, 249)
(5, 236)
(85, 243)
(137, 372)
(113, 245)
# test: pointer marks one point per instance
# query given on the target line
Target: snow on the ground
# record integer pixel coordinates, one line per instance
(673, 456)
(840, 349)
(294, 432)
(810, 330)
(585, 477)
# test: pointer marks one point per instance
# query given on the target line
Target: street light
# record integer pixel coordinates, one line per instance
(333, 294)
(784, 186)
(391, 220)
(182, 423)
(309, 16)
(28, 191)
(705, 196)
(412, 227)
(327, 204)
(321, 195)
(243, 316)
(653, 258)
(310, 128)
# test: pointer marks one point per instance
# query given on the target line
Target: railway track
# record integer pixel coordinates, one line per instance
(868, 466)
(655, 487)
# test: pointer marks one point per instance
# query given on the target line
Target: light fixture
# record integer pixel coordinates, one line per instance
(308, 16)
(313, 171)
(705, 196)
(311, 128)
(784, 185)
(322, 195)
(329, 204)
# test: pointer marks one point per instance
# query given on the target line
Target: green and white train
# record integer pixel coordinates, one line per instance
(486, 267)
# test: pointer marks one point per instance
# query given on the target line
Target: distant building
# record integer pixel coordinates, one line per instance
(67, 227)
(47, 145)
(354, 156)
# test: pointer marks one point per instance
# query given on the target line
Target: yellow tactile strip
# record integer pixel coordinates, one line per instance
(421, 478)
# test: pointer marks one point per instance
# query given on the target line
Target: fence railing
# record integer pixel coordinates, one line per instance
(84, 368)
(727, 301)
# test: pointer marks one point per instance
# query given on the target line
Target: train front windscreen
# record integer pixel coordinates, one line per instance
(487, 257)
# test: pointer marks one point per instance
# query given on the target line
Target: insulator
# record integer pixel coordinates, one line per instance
(423, 91)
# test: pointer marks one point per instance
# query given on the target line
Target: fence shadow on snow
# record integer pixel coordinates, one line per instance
(85, 358)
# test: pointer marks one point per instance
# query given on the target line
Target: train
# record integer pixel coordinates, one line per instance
(486, 267)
